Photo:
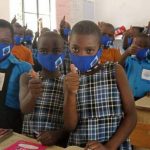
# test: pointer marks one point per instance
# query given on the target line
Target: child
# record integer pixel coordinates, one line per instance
(10, 72)
(99, 107)
(129, 35)
(20, 51)
(65, 29)
(28, 38)
(109, 53)
(137, 66)
(41, 100)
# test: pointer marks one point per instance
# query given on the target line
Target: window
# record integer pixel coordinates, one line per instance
(33, 10)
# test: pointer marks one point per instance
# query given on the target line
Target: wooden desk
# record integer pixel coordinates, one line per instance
(143, 116)
(15, 137)
(143, 110)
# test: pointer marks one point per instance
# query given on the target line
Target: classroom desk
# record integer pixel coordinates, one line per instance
(143, 113)
(15, 137)
(143, 110)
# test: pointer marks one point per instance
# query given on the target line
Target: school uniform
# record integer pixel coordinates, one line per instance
(99, 107)
(138, 73)
(10, 71)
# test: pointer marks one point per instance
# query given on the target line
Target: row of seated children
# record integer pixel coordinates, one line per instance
(42, 96)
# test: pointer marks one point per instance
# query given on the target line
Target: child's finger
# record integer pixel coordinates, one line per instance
(73, 68)
(32, 74)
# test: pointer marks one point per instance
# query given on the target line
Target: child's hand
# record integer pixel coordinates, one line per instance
(71, 82)
(95, 145)
(35, 84)
(132, 49)
(49, 138)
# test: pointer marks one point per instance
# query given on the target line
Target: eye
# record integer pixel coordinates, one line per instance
(89, 51)
(43, 51)
(75, 49)
(57, 50)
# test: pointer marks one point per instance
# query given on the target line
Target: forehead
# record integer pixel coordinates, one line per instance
(50, 41)
(140, 41)
(107, 30)
(28, 32)
(84, 40)
(5, 33)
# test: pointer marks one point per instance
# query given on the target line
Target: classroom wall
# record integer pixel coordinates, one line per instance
(62, 9)
(4, 9)
(117, 12)
(123, 12)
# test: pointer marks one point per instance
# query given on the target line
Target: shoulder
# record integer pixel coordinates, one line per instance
(25, 48)
(21, 65)
(130, 60)
(109, 66)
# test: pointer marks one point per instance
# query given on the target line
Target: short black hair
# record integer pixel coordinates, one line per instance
(54, 35)
(86, 27)
(6, 24)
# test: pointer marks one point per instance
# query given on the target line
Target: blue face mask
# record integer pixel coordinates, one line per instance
(84, 63)
(28, 39)
(50, 61)
(106, 41)
(18, 39)
(5, 50)
(141, 53)
(130, 39)
(66, 31)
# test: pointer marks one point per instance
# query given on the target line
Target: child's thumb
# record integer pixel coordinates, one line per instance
(73, 68)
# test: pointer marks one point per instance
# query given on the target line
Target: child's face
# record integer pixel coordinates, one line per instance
(5, 35)
(108, 31)
(49, 45)
(84, 45)
(139, 42)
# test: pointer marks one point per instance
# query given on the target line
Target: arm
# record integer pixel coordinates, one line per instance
(30, 89)
(130, 51)
(124, 57)
(126, 35)
(34, 44)
(49, 138)
(129, 121)
(71, 85)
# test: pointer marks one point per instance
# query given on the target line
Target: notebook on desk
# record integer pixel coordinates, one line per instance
(25, 145)
(5, 133)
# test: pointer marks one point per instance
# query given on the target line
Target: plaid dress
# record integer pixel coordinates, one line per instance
(48, 112)
(99, 108)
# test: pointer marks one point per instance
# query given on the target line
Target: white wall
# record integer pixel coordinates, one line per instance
(4, 9)
(123, 12)
(117, 12)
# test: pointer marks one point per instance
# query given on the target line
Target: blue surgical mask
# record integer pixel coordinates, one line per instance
(18, 39)
(66, 31)
(5, 50)
(84, 63)
(141, 53)
(106, 41)
(50, 62)
(28, 39)
(130, 40)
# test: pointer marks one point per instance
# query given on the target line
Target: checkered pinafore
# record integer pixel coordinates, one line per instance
(48, 112)
(99, 108)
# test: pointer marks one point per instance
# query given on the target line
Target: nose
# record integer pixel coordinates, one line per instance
(82, 52)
